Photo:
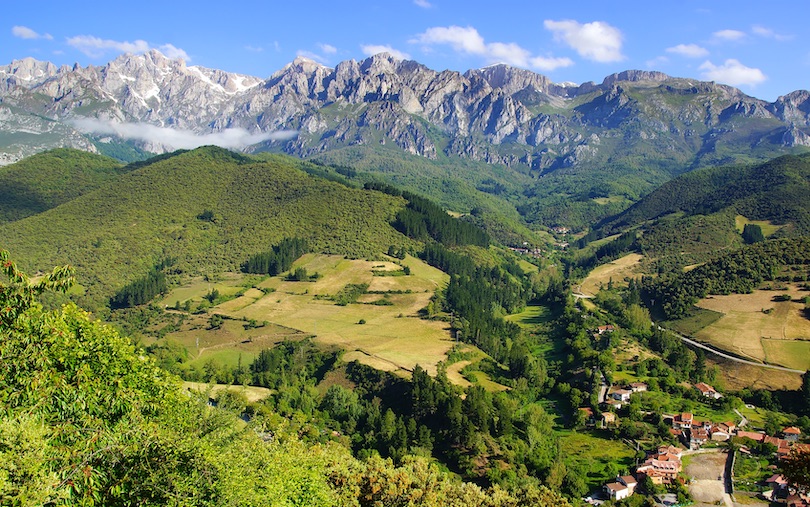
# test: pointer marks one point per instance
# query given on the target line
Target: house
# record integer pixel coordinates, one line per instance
(779, 489)
(720, 433)
(755, 436)
(621, 394)
(615, 404)
(638, 387)
(669, 450)
(660, 472)
(706, 425)
(791, 433)
(617, 491)
(797, 500)
(630, 482)
(708, 391)
(605, 329)
(608, 419)
(682, 421)
(697, 437)
(588, 417)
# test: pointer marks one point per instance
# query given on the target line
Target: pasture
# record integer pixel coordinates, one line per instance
(596, 454)
(755, 326)
(767, 227)
(388, 335)
(617, 271)
(531, 316)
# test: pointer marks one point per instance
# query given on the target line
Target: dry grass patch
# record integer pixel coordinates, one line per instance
(736, 376)
(617, 270)
(454, 374)
(253, 394)
(745, 326)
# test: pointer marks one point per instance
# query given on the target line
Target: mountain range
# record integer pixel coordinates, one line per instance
(534, 143)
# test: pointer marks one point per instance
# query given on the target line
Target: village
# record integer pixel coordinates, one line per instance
(663, 467)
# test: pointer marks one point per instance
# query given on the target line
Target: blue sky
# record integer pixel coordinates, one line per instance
(762, 49)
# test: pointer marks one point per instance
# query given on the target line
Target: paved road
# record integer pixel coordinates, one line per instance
(743, 420)
(727, 356)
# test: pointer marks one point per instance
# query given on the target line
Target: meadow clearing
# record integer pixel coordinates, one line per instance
(616, 270)
(755, 326)
(383, 329)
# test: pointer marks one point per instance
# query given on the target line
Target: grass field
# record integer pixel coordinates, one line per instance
(700, 319)
(736, 376)
(767, 227)
(747, 330)
(532, 315)
(253, 394)
(389, 337)
(616, 270)
(592, 451)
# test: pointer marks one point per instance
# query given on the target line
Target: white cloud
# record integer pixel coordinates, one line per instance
(423, 4)
(733, 73)
(688, 50)
(657, 62)
(24, 32)
(373, 49)
(235, 138)
(597, 41)
(328, 48)
(312, 56)
(467, 40)
(254, 49)
(96, 47)
(174, 53)
(769, 34)
(549, 64)
(729, 35)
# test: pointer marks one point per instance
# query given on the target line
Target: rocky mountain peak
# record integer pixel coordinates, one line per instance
(635, 76)
(28, 71)
(511, 79)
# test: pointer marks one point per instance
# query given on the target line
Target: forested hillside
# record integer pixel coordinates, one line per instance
(210, 209)
(46, 180)
(777, 190)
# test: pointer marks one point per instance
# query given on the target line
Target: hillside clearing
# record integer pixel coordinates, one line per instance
(389, 335)
(617, 271)
(747, 330)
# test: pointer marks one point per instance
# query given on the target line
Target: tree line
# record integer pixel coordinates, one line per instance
(278, 259)
(738, 272)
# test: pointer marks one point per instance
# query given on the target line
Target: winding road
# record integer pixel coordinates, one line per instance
(728, 356)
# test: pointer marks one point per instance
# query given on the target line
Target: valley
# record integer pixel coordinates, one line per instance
(460, 284)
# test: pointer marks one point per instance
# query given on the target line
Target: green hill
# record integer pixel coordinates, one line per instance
(777, 190)
(208, 208)
(46, 180)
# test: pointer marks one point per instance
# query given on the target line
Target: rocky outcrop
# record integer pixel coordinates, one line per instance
(498, 114)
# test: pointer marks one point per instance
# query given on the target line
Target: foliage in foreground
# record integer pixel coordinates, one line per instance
(85, 419)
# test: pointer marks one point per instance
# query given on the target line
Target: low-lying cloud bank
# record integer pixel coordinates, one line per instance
(233, 138)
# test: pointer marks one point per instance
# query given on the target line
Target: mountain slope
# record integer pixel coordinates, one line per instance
(48, 179)
(118, 232)
(598, 147)
(777, 190)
